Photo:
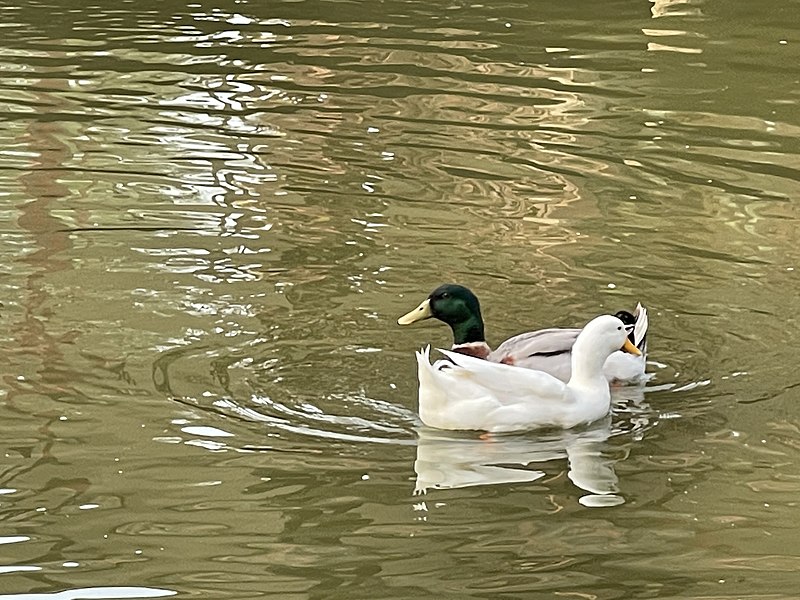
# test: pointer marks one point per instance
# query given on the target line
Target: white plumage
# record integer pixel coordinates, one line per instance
(463, 392)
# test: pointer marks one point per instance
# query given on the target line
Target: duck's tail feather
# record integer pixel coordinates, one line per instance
(425, 369)
(423, 357)
(640, 328)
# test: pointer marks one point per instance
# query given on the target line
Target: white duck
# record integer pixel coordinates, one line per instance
(545, 350)
(464, 392)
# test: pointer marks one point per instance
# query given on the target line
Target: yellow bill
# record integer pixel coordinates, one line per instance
(422, 312)
(628, 347)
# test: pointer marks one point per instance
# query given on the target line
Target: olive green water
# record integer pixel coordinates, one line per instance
(212, 215)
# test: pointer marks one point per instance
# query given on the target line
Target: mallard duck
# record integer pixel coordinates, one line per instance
(545, 350)
(464, 392)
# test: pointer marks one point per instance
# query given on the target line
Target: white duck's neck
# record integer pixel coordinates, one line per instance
(587, 364)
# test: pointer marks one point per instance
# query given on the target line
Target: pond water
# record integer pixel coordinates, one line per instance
(213, 214)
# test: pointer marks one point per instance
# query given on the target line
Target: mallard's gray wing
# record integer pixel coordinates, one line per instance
(547, 350)
(544, 342)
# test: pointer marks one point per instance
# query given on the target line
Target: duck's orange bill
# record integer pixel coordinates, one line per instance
(630, 348)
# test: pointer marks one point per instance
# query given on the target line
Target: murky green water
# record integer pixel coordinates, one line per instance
(212, 215)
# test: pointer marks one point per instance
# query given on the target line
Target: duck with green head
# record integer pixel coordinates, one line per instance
(547, 350)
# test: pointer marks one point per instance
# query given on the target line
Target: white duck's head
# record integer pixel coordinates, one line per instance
(600, 337)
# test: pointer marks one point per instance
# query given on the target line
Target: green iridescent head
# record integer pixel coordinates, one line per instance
(455, 305)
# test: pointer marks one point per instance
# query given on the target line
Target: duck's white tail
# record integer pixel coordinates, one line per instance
(423, 362)
(433, 399)
(426, 372)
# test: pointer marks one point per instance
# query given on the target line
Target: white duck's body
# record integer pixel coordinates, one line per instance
(464, 392)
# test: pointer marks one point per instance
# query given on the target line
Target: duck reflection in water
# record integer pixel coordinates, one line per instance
(447, 460)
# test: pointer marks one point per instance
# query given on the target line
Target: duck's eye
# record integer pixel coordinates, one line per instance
(445, 294)
(619, 328)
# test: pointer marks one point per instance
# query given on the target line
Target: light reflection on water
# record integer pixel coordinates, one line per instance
(214, 215)
(100, 593)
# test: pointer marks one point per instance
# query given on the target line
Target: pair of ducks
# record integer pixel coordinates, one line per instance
(565, 375)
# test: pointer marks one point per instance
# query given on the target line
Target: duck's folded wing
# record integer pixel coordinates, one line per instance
(543, 350)
(544, 342)
(508, 384)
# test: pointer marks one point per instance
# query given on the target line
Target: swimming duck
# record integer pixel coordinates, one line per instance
(545, 350)
(464, 392)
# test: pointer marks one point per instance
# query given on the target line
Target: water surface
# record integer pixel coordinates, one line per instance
(214, 213)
